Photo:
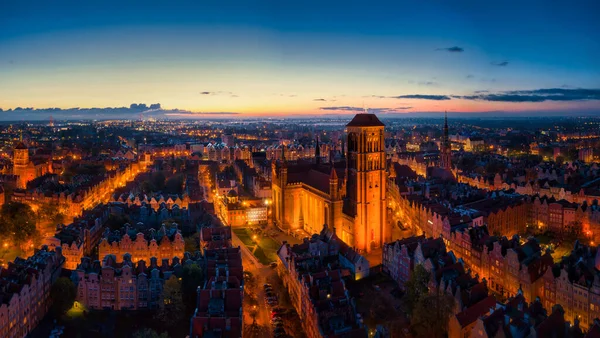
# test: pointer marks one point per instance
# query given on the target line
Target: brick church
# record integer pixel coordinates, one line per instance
(349, 195)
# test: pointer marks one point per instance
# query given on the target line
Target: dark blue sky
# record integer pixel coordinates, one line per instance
(301, 56)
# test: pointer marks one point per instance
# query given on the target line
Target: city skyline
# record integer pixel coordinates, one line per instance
(310, 59)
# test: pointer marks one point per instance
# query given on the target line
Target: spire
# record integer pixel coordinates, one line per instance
(283, 151)
(318, 152)
(446, 128)
(333, 175)
(21, 136)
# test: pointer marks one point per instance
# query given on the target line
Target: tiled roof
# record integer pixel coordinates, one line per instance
(365, 120)
(471, 314)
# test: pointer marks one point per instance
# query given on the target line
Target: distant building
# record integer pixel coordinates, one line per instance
(27, 169)
(474, 143)
(586, 155)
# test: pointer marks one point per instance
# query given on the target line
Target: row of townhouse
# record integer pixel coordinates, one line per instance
(219, 303)
(75, 200)
(478, 314)
(25, 291)
(162, 243)
(126, 285)
(314, 272)
(512, 266)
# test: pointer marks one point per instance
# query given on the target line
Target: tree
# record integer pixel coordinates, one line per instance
(416, 288)
(49, 212)
(174, 185)
(17, 222)
(191, 243)
(172, 309)
(191, 279)
(158, 180)
(431, 315)
(62, 294)
(149, 333)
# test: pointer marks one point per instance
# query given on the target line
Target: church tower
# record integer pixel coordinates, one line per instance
(446, 153)
(20, 163)
(366, 183)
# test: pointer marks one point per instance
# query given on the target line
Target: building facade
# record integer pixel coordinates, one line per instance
(348, 195)
(162, 244)
(25, 291)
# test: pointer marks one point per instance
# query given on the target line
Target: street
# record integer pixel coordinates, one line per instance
(260, 273)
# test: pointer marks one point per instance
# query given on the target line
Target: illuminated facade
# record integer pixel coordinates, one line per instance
(350, 196)
(25, 291)
(85, 197)
(24, 168)
(162, 244)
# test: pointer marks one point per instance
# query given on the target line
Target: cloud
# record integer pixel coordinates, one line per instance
(196, 114)
(500, 64)
(423, 97)
(230, 94)
(319, 100)
(537, 95)
(343, 108)
(370, 110)
(454, 49)
(388, 110)
(428, 83)
(470, 76)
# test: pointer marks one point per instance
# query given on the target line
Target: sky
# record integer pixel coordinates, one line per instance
(302, 57)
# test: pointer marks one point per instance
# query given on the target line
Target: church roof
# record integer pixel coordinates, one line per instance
(21, 145)
(365, 120)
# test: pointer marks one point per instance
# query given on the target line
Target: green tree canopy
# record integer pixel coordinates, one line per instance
(172, 310)
(416, 287)
(191, 243)
(429, 312)
(62, 294)
(149, 333)
(18, 222)
(192, 278)
(431, 315)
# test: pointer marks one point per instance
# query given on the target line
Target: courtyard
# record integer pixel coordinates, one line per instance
(263, 247)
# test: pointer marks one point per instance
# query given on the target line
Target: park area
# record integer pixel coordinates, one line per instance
(264, 248)
(560, 246)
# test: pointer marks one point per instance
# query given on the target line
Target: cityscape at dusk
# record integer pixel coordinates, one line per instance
(264, 169)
